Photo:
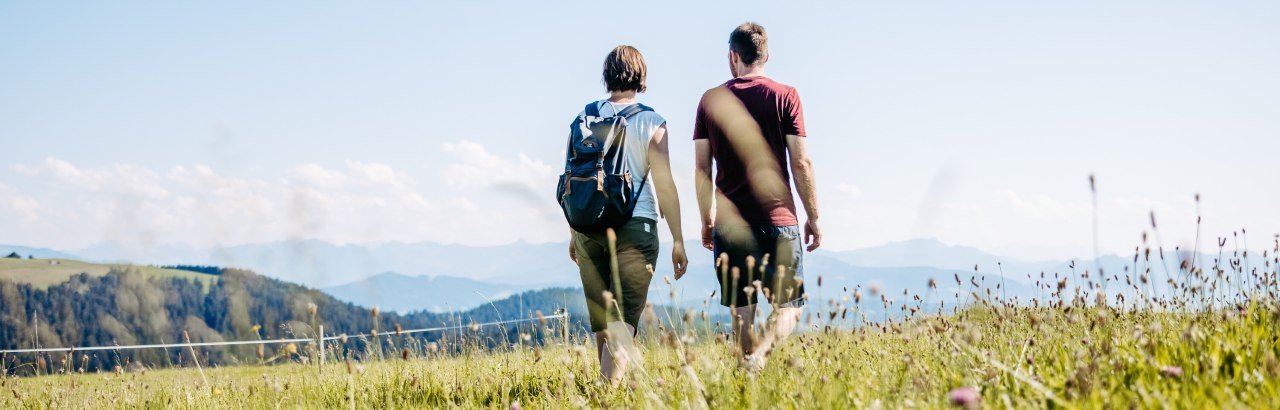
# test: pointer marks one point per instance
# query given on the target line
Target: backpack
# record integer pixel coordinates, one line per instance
(596, 191)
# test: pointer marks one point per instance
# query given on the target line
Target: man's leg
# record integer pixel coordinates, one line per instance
(785, 278)
(744, 319)
(780, 324)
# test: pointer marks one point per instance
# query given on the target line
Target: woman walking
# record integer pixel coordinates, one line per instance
(616, 144)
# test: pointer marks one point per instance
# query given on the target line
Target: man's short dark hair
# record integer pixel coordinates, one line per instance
(750, 42)
(624, 70)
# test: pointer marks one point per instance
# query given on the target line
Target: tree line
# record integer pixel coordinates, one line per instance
(126, 307)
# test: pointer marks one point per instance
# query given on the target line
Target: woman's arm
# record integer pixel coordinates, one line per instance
(668, 198)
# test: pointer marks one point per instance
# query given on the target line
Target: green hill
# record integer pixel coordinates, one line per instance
(80, 304)
(42, 273)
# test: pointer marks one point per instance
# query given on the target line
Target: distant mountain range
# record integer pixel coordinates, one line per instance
(439, 277)
(396, 292)
(41, 253)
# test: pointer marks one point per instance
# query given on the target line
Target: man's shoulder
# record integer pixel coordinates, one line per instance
(777, 86)
(715, 93)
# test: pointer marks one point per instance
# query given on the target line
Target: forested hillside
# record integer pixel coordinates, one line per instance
(125, 307)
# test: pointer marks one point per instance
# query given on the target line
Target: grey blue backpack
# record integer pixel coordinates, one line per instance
(597, 190)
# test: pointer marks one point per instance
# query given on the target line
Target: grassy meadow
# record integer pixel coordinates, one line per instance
(1070, 354)
(1192, 333)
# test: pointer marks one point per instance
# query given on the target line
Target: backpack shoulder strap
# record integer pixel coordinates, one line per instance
(633, 110)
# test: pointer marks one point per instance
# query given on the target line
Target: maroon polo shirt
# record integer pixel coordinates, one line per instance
(775, 107)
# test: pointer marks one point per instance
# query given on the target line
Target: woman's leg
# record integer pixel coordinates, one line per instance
(637, 252)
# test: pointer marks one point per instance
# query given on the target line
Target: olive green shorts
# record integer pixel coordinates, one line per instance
(637, 247)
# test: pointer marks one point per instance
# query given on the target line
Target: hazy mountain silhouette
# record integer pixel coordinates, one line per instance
(396, 292)
(456, 272)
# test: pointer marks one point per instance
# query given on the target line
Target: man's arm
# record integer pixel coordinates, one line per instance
(702, 180)
(668, 198)
(802, 174)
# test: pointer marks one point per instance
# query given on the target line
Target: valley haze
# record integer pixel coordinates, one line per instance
(445, 277)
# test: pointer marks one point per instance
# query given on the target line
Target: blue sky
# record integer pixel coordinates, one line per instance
(976, 123)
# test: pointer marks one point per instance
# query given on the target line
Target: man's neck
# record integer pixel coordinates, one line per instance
(754, 71)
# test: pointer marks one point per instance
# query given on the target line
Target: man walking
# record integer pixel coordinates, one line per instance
(752, 129)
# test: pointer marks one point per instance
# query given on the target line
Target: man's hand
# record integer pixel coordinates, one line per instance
(706, 238)
(812, 235)
(678, 259)
(573, 252)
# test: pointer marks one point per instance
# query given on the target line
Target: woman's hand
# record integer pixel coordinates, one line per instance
(678, 259)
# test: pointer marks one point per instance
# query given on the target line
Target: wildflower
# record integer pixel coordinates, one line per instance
(966, 397)
(515, 405)
(1173, 372)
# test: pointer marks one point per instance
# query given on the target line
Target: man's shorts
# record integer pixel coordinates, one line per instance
(778, 256)
(637, 244)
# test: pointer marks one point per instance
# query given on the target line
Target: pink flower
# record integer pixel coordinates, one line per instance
(1171, 371)
(966, 397)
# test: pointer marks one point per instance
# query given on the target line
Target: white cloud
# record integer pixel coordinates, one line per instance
(483, 198)
(467, 201)
(479, 168)
(15, 205)
(379, 174)
(848, 189)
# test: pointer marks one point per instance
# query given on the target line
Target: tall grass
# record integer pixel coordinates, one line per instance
(1205, 336)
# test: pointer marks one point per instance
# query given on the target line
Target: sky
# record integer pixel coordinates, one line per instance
(975, 123)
